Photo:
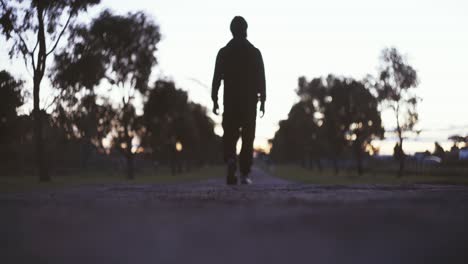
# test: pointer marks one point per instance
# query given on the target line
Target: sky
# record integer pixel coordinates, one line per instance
(312, 39)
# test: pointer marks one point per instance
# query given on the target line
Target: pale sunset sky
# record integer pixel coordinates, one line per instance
(313, 38)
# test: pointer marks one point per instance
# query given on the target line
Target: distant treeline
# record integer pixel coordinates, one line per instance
(117, 52)
(337, 118)
(80, 133)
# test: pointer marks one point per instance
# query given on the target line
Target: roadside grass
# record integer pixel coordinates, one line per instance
(296, 173)
(25, 183)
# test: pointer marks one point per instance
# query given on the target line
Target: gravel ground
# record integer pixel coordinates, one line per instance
(272, 221)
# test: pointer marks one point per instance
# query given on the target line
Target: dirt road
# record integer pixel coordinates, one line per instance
(272, 221)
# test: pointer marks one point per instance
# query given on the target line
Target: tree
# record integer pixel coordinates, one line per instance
(120, 50)
(170, 118)
(10, 99)
(438, 150)
(207, 144)
(457, 140)
(299, 136)
(395, 83)
(83, 120)
(347, 114)
(163, 112)
(319, 92)
(35, 28)
(364, 123)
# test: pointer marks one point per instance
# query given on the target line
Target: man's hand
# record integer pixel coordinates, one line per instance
(262, 108)
(215, 107)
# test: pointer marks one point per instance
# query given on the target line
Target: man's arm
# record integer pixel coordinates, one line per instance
(262, 83)
(217, 77)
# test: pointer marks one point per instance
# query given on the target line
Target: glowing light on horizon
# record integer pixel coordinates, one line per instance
(179, 146)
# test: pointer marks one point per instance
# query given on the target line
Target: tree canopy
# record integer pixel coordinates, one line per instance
(170, 118)
(394, 84)
(11, 98)
(34, 29)
(333, 114)
(118, 49)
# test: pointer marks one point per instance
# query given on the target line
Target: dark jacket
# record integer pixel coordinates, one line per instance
(240, 65)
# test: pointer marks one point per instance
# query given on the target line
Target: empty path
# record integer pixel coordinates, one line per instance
(272, 221)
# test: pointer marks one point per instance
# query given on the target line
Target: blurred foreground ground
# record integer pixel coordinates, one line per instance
(273, 221)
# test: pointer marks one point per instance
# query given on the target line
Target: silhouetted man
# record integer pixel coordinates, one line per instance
(240, 65)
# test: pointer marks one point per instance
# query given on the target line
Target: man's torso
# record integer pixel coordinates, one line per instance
(240, 63)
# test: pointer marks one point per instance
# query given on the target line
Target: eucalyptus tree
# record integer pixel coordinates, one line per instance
(346, 112)
(117, 51)
(395, 84)
(34, 29)
(170, 118)
(11, 98)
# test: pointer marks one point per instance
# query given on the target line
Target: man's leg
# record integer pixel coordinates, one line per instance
(246, 155)
(230, 137)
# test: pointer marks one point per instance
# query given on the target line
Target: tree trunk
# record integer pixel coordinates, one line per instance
(86, 149)
(335, 165)
(130, 167)
(319, 164)
(42, 169)
(128, 142)
(358, 150)
(38, 75)
(360, 169)
(402, 159)
(129, 155)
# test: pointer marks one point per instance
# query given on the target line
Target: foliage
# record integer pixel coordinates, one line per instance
(86, 119)
(395, 82)
(333, 114)
(22, 20)
(438, 150)
(458, 140)
(40, 22)
(170, 118)
(298, 136)
(11, 97)
(120, 50)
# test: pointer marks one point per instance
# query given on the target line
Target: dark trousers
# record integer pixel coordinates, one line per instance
(237, 124)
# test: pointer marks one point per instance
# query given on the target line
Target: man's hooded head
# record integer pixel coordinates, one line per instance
(239, 27)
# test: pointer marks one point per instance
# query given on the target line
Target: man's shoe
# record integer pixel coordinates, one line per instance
(246, 180)
(231, 173)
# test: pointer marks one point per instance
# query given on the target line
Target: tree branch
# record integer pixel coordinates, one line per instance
(16, 30)
(109, 79)
(26, 64)
(33, 62)
(35, 47)
(55, 99)
(60, 35)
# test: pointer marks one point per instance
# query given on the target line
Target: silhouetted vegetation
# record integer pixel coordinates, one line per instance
(86, 125)
(178, 130)
(113, 56)
(394, 84)
(11, 97)
(339, 116)
(333, 114)
(120, 50)
(39, 22)
(459, 141)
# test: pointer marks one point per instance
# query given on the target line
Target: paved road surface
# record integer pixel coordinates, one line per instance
(273, 221)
